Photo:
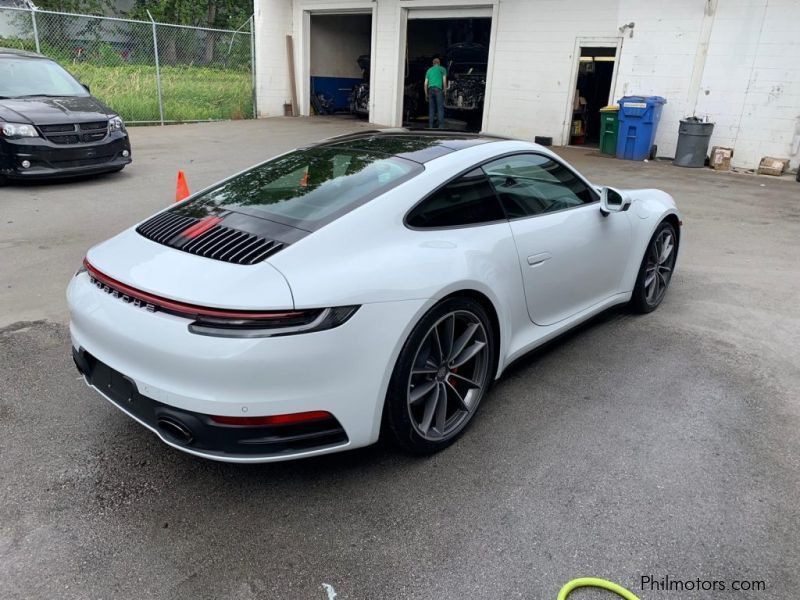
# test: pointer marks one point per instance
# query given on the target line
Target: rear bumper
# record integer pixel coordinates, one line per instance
(49, 160)
(344, 371)
(199, 433)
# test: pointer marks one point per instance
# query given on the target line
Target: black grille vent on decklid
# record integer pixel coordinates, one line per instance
(218, 242)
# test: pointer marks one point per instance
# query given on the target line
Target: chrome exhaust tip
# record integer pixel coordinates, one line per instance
(175, 430)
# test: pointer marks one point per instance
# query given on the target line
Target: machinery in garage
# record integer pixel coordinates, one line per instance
(339, 54)
(466, 65)
(359, 97)
(413, 92)
(461, 43)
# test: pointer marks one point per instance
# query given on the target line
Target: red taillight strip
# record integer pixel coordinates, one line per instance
(303, 417)
(182, 308)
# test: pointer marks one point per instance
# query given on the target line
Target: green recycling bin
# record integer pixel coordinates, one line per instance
(609, 129)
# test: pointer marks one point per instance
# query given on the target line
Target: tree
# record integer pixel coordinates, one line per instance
(218, 14)
(55, 29)
(86, 7)
(222, 14)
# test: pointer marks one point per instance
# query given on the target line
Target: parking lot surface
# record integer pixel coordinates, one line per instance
(658, 445)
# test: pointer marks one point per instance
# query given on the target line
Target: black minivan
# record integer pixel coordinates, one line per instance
(51, 126)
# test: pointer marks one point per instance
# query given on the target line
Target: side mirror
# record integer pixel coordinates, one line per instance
(86, 87)
(612, 200)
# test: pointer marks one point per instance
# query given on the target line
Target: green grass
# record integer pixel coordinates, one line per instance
(189, 93)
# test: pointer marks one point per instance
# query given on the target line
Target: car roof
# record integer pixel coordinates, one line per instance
(420, 146)
(19, 53)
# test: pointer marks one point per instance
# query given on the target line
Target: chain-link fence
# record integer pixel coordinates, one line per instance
(148, 72)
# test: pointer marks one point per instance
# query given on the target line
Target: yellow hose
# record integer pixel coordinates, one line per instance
(597, 583)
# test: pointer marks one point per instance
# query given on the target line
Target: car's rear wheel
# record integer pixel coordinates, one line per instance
(656, 269)
(3, 180)
(444, 370)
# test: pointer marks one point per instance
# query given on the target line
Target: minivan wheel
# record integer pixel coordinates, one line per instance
(443, 372)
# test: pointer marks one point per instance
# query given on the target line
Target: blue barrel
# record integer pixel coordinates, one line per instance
(638, 120)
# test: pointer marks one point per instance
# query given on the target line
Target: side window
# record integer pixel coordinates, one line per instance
(532, 184)
(467, 200)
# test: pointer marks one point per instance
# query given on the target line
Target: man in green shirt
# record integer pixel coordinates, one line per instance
(435, 85)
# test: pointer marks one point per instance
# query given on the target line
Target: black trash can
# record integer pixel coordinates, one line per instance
(693, 138)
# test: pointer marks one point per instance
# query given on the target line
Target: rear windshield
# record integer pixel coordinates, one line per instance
(309, 188)
(20, 77)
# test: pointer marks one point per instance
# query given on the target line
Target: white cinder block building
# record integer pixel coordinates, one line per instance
(737, 61)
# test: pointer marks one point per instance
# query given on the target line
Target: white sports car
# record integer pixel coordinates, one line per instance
(370, 283)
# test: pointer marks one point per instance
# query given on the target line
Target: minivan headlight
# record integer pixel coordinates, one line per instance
(116, 124)
(18, 130)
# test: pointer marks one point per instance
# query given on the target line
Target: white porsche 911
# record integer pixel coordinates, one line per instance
(370, 283)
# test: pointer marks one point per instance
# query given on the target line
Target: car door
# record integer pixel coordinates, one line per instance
(571, 255)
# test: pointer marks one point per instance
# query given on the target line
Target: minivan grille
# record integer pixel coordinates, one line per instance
(71, 133)
(218, 243)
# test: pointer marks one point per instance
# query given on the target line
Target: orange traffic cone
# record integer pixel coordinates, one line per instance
(182, 189)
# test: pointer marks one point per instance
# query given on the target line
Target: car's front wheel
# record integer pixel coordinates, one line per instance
(656, 269)
(444, 370)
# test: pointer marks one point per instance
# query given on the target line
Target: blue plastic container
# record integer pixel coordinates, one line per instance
(638, 120)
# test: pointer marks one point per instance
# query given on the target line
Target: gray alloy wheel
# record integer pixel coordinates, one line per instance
(658, 268)
(655, 270)
(449, 375)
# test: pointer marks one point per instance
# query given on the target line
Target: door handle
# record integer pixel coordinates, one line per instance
(537, 259)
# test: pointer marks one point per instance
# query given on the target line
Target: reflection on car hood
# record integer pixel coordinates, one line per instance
(41, 110)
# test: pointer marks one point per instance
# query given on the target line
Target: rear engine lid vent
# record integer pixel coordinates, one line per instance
(209, 238)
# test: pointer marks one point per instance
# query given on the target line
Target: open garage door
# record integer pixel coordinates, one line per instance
(339, 64)
(459, 38)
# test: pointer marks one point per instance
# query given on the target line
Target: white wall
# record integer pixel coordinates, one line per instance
(735, 60)
(659, 59)
(533, 71)
(751, 81)
(273, 22)
(336, 42)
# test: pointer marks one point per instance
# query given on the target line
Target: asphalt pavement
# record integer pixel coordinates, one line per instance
(664, 445)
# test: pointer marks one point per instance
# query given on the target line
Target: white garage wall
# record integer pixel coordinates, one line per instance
(751, 82)
(659, 59)
(336, 42)
(273, 22)
(735, 60)
(533, 68)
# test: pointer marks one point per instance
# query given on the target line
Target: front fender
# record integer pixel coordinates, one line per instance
(649, 208)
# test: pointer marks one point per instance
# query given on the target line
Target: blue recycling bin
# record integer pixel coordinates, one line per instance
(638, 120)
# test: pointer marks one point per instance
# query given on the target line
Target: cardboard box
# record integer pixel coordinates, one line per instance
(773, 166)
(720, 159)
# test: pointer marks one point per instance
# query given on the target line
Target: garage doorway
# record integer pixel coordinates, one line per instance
(594, 83)
(461, 43)
(339, 64)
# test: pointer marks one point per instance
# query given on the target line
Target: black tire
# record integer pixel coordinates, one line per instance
(401, 413)
(645, 298)
(3, 180)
